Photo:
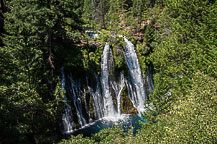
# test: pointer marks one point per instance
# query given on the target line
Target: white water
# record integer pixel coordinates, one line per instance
(118, 87)
(76, 93)
(105, 69)
(97, 98)
(135, 84)
(106, 91)
(67, 117)
(86, 106)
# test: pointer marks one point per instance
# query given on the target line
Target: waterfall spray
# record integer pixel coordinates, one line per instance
(136, 89)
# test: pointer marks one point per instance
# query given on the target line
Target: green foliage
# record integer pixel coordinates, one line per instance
(31, 105)
(113, 14)
(77, 140)
(181, 46)
(142, 50)
(179, 43)
(91, 59)
(113, 135)
(88, 14)
(191, 119)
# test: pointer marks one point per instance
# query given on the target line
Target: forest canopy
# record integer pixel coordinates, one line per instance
(176, 39)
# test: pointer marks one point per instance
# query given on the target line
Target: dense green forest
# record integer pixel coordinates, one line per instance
(176, 38)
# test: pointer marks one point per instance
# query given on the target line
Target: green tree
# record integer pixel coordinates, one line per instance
(36, 31)
(113, 15)
(182, 44)
(88, 12)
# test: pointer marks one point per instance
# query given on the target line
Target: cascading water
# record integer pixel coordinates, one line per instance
(67, 117)
(101, 99)
(118, 87)
(97, 98)
(135, 84)
(86, 106)
(109, 109)
(76, 93)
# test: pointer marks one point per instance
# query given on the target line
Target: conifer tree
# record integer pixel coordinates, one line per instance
(36, 31)
(88, 12)
(113, 14)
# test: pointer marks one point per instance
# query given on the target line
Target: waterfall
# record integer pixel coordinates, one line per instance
(86, 106)
(97, 98)
(109, 109)
(135, 84)
(67, 117)
(100, 97)
(77, 94)
(118, 87)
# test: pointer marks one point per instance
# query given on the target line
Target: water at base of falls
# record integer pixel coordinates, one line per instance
(125, 120)
(97, 103)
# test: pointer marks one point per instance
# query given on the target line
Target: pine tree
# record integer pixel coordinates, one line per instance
(88, 12)
(113, 15)
(2, 11)
(36, 31)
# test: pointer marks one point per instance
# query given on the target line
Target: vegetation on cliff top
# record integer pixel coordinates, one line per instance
(176, 38)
